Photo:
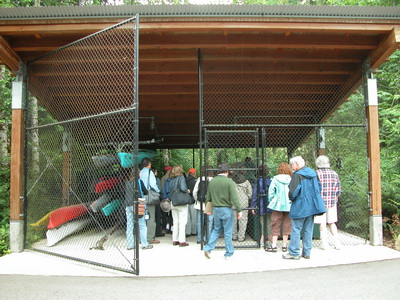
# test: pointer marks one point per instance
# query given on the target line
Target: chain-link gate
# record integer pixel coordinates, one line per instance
(247, 231)
(289, 114)
(84, 149)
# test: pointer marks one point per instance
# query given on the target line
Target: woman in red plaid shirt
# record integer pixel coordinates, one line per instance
(330, 191)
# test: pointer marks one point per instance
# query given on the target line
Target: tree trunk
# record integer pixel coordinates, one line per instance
(34, 134)
(3, 143)
(3, 128)
(165, 156)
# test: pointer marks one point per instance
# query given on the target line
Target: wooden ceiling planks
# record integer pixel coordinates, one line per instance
(307, 65)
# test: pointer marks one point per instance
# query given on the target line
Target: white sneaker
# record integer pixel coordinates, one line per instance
(338, 245)
(324, 246)
(228, 257)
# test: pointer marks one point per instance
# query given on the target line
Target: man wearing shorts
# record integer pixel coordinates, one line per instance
(330, 191)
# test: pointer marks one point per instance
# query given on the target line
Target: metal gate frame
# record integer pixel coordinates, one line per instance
(260, 157)
(66, 123)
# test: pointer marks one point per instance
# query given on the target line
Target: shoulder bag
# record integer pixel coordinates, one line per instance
(153, 197)
(178, 197)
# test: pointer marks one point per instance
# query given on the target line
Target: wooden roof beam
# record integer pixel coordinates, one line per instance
(385, 48)
(261, 25)
(9, 57)
(59, 26)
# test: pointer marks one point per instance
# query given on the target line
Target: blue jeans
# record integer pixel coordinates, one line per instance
(223, 219)
(209, 220)
(307, 225)
(130, 239)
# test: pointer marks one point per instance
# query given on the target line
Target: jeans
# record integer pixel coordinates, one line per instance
(130, 239)
(307, 225)
(199, 224)
(223, 219)
(207, 219)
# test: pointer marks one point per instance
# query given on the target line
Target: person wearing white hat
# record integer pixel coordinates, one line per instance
(330, 191)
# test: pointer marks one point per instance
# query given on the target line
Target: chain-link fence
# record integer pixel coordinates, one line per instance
(270, 115)
(82, 147)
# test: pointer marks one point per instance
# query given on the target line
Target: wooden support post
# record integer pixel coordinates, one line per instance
(374, 173)
(17, 164)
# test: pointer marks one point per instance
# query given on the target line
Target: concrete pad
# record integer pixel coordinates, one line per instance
(167, 260)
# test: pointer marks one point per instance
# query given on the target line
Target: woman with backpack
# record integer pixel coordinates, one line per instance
(260, 199)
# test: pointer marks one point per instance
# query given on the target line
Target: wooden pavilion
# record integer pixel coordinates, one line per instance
(337, 46)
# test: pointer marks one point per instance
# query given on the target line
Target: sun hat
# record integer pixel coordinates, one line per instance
(165, 205)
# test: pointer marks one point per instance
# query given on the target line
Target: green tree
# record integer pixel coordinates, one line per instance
(389, 112)
(5, 123)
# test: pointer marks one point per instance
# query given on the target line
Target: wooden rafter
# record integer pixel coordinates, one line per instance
(8, 56)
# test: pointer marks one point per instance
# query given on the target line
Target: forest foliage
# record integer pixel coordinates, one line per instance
(389, 111)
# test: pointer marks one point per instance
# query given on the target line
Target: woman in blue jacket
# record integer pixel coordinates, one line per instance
(279, 203)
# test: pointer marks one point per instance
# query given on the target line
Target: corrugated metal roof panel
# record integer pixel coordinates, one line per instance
(201, 11)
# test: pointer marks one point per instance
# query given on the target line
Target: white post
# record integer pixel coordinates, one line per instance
(374, 173)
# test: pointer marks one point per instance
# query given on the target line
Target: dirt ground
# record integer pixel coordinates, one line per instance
(388, 240)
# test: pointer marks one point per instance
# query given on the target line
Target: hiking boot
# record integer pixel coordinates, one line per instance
(290, 256)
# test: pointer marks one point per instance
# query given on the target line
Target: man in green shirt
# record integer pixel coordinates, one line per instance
(221, 192)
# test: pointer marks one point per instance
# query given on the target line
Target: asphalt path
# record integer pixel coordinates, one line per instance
(372, 280)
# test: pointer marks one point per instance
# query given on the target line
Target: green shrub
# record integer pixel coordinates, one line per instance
(4, 239)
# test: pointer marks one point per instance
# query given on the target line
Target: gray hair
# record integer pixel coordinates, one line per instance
(322, 161)
(223, 168)
(299, 160)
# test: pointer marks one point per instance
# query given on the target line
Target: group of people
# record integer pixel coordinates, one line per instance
(147, 227)
(293, 200)
(181, 220)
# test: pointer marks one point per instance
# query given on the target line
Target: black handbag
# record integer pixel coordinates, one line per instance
(178, 197)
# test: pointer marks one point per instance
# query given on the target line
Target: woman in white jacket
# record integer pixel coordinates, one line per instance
(199, 195)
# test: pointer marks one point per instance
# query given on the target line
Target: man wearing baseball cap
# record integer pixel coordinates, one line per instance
(167, 169)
